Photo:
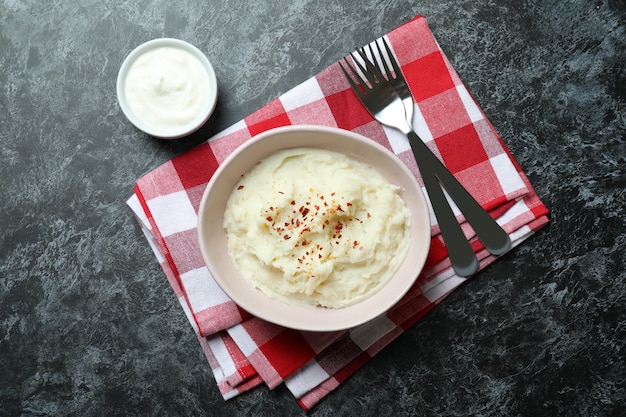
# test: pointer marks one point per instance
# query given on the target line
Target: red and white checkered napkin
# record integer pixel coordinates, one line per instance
(244, 351)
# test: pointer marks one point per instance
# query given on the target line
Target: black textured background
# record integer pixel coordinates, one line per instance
(88, 323)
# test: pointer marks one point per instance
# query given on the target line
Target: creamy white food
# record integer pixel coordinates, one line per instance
(316, 228)
(167, 87)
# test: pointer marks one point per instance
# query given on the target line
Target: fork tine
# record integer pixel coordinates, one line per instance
(371, 56)
(365, 66)
(394, 63)
(370, 69)
(353, 84)
(376, 58)
(385, 65)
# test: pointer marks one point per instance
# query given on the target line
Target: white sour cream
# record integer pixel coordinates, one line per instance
(316, 228)
(167, 87)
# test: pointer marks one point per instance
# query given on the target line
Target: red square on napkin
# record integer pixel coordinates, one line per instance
(347, 110)
(186, 166)
(427, 76)
(461, 149)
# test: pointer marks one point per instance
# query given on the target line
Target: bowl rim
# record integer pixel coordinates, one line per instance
(292, 316)
(185, 129)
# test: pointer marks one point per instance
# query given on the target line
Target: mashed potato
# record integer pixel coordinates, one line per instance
(316, 228)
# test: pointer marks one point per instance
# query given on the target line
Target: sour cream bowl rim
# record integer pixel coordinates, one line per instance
(179, 131)
(212, 237)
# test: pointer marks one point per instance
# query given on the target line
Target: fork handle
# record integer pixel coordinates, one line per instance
(491, 234)
(461, 254)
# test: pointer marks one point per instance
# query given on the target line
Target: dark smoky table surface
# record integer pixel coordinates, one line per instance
(88, 323)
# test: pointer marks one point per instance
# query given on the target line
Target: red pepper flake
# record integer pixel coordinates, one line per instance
(317, 207)
(269, 218)
(332, 194)
(271, 208)
(349, 204)
(319, 256)
(305, 212)
(286, 237)
(293, 202)
(240, 187)
(369, 216)
(339, 208)
(355, 243)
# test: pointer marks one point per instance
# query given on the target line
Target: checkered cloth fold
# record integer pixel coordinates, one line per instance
(244, 351)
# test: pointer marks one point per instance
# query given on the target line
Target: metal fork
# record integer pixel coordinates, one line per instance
(389, 100)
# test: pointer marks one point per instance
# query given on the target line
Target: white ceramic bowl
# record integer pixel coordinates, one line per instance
(179, 130)
(214, 249)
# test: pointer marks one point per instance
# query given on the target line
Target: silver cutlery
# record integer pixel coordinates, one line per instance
(382, 89)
